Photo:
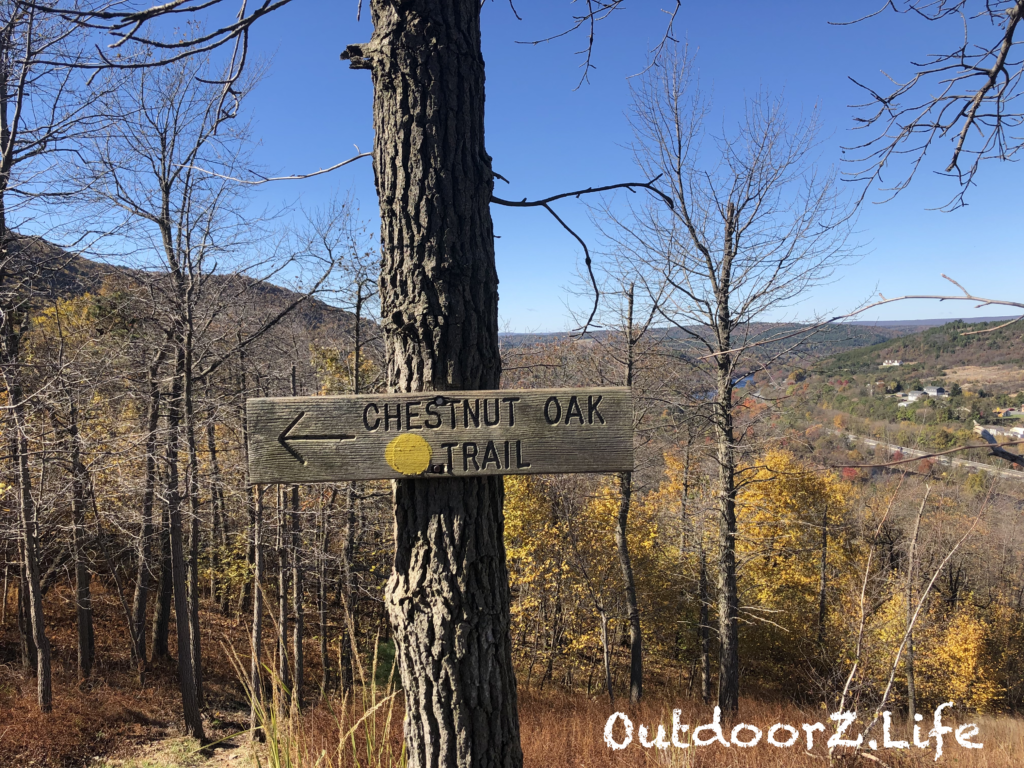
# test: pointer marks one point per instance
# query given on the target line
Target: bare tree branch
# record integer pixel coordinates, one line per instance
(969, 90)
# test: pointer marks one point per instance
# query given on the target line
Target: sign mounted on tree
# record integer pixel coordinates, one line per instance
(439, 434)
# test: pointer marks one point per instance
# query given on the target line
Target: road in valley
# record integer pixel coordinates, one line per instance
(949, 460)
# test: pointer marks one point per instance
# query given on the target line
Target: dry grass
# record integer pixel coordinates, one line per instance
(567, 731)
(139, 727)
(111, 714)
(563, 730)
(1003, 378)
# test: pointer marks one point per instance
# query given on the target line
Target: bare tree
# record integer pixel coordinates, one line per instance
(626, 338)
(42, 115)
(754, 225)
(186, 219)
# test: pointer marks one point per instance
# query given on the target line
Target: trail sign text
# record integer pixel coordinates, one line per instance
(439, 434)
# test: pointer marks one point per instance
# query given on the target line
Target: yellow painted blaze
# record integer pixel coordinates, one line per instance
(408, 454)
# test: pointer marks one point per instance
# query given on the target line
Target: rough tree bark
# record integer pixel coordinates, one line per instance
(146, 528)
(448, 595)
(636, 655)
(164, 593)
(179, 566)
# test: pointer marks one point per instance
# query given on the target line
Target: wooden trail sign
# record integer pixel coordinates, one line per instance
(439, 434)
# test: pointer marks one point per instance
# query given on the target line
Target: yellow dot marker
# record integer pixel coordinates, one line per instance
(408, 454)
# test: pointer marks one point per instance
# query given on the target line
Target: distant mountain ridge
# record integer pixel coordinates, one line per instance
(68, 274)
(820, 341)
(955, 344)
(930, 323)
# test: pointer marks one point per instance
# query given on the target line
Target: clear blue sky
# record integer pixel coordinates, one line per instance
(547, 136)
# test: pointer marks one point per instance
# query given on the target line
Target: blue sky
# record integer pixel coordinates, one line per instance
(546, 136)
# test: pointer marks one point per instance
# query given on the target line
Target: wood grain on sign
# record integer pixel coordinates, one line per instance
(439, 434)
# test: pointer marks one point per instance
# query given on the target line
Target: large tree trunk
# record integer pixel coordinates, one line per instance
(636, 658)
(448, 596)
(179, 566)
(164, 593)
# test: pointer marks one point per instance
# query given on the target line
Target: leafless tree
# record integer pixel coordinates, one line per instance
(627, 351)
(754, 225)
(43, 114)
(171, 169)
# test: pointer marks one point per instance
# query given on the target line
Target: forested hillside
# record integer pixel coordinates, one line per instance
(955, 344)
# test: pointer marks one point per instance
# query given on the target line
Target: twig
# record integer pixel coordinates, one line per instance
(1012, 457)
(632, 186)
(265, 179)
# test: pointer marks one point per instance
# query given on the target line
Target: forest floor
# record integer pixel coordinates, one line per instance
(113, 722)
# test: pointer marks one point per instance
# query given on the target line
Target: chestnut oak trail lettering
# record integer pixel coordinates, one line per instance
(440, 434)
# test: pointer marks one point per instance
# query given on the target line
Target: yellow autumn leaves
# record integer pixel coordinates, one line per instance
(803, 536)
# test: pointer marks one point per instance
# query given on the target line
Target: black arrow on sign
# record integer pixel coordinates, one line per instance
(287, 437)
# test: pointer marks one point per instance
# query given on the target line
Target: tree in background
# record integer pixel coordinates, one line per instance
(755, 224)
(798, 542)
(44, 113)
